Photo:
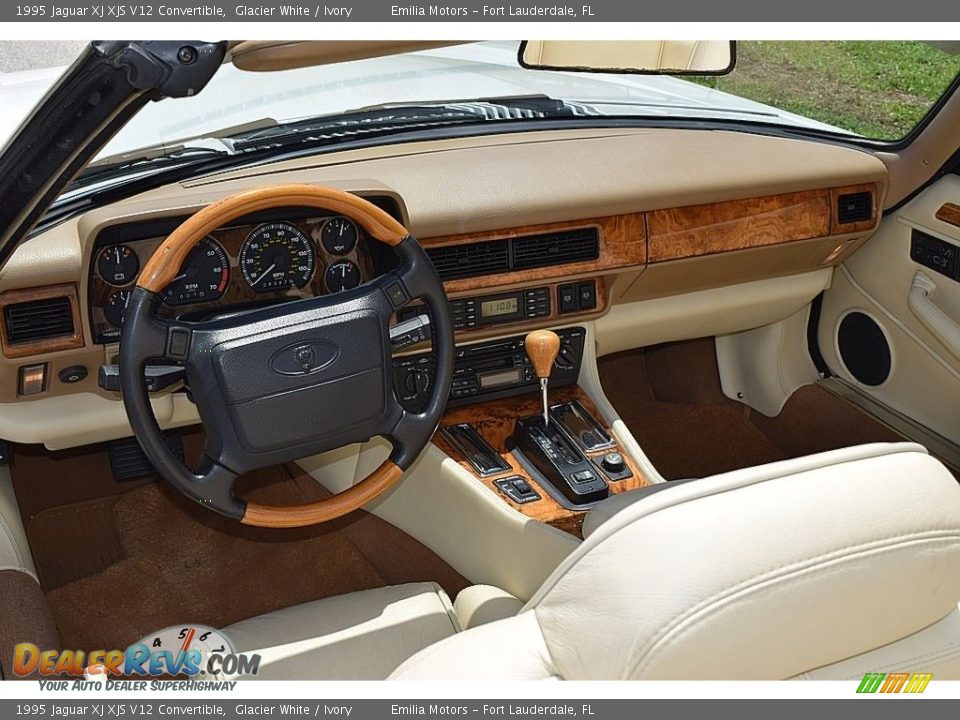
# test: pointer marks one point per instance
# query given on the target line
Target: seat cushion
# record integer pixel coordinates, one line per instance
(359, 636)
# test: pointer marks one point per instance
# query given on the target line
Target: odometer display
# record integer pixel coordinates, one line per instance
(203, 277)
(276, 257)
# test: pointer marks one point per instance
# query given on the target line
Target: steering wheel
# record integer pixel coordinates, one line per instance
(291, 380)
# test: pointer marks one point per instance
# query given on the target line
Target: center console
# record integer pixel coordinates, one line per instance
(551, 468)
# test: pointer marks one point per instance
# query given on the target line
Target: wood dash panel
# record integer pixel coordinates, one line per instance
(949, 213)
(737, 225)
(495, 421)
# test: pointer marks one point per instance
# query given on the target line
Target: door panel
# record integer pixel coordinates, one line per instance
(912, 309)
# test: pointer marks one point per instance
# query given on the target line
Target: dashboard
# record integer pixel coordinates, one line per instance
(560, 229)
(260, 260)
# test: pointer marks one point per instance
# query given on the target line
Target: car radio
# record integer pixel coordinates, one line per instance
(486, 371)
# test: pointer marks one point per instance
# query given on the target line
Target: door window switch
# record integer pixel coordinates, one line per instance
(517, 489)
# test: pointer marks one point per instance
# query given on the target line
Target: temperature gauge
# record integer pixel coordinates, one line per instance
(342, 275)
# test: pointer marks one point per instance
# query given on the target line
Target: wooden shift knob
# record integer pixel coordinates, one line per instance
(542, 346)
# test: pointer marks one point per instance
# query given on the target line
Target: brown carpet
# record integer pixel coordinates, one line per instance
(670, 398)
(159, 559)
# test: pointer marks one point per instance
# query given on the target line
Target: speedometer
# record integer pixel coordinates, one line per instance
(277, 256)
(203, 276)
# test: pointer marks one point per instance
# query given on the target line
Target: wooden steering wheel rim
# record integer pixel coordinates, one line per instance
(165, 262)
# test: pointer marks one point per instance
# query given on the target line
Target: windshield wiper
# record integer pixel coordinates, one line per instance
(124, 166)
(399, 117)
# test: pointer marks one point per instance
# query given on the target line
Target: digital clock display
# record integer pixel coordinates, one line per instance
(500, 306)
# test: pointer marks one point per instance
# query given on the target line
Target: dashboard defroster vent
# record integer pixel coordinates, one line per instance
(520, 253)
(855, 207)
(38, 320)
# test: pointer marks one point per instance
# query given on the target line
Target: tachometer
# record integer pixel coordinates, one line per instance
(277, 256)
(203, 276)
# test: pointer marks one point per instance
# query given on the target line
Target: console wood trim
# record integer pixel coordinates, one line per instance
(721, 227)
(622, 244)
(949, 213)
(495, 420)
(47, 345)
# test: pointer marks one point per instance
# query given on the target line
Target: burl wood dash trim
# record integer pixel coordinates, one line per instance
(495, 420)
(949, 213)
(47, 345)
(622, 244)
(737, 225)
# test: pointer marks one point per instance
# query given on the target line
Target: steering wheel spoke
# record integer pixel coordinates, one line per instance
(287, 381)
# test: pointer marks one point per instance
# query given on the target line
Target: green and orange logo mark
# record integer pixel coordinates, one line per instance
(898, 682)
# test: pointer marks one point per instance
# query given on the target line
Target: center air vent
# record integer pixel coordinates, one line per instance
(855, 207)
(569, 246)
(462, 261)
(520, 253)
(38, 320)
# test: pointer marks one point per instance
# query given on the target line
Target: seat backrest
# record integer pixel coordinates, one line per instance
(765, 573)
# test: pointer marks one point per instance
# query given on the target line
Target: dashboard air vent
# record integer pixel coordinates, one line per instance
(38, 320)
(520, 253)
(557, 248)
(471, 260)
(855, 207)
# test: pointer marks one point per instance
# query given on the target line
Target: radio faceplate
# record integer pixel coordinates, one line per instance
(486, 371)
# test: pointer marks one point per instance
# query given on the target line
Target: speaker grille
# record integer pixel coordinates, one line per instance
(864, 349)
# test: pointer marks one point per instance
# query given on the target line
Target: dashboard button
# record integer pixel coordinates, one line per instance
(567, 298)
(588, 295)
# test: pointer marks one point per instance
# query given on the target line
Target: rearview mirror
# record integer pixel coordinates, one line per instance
(648, 57)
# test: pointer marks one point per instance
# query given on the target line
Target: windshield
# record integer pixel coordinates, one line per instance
(871, 89)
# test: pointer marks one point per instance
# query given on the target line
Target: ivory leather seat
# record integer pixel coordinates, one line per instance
(827, 566)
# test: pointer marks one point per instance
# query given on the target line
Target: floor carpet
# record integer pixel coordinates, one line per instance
(670, 398)
(148, 557)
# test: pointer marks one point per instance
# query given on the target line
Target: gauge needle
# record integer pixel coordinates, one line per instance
(185, 646)
(265, 273)
(179, 277)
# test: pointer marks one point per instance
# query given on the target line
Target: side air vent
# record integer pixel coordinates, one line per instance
(38, 320)
(521, 253)
(855, 207)
(535, 251)
(463, 261)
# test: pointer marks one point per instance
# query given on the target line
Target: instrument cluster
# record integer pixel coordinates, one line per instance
(232, 268)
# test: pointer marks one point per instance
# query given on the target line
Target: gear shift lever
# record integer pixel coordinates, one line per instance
(542, 346)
